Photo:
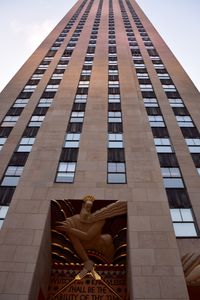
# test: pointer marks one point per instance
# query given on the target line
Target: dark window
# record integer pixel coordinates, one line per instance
(114, 90)
(190, 132)
(69, 155)
(33, 82)
(178, 198)
(40, 111)
(143, 70)
(78, 107)
(135, 52)
(112, 49)
(91, 50)
(160, 132)
(161, 71)
(113, 77)
(153, 111)
(148, 94)
(85, 77)
(74, 127)
(25, 95)
(166, 81)
(5, 131)
(180, 111)
(144, 81)
(85, 67)
(48, 95)
(173, 95)
(167, 160)
(6, 194)
(30, 132)
(115, 128)
(40, 71)
(59, 71)
(196, 159)
(114, 106)
(116, 155)
(14, 111)
(113, 67)
(19, 158)
(54, 81)
(82, 91)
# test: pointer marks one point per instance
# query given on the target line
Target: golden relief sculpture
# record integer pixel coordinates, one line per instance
(85, 231)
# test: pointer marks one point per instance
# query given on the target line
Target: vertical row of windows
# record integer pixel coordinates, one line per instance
(179, 202)
(16, 165)
(116, 155)
(22, 100)
(69, 155)
(183, 118)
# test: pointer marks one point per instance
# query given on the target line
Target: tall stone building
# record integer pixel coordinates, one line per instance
(101, 108)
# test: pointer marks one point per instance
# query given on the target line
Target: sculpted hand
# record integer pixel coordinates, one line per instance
(64, 226)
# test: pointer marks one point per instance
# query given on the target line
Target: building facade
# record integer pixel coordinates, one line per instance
(102, 108)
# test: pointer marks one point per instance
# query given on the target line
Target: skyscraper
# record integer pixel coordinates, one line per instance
(102, 111)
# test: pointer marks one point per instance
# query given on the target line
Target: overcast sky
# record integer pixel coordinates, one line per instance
(24, 24)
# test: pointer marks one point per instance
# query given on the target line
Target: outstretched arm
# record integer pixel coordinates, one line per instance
(94, 230)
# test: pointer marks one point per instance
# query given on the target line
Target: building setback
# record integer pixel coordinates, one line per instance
(102, 108)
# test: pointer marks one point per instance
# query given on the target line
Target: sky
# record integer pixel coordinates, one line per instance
(24, 25)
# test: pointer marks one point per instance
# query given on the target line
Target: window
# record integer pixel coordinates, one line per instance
(150, 102)
(168, 159)
(115, 140)
(45, 102)
(116, 173)
(163, 145)
(52, 87)
(198, 171)
(36, 121)
(183, 222)
(20, 103)
(163, 76)
(146, 87)
(169, 88)
(29, 88)
(159, 66)
(57, 76)
(2, 142)
(83, 84)
(81, 98)
(12, 176)
(184, 121)
(86, 72)
(114, 117)
(77, 116)
(156, 121)
(113, 72)
(176, 103)
(25, 144)
(66, 172)
(172, 178)
(3, 213)
(10, 121)
(114, 83)
(193, 145)
(113, 98)
(142, 75)
(37, 76)
(88, 63)
(72, 140)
